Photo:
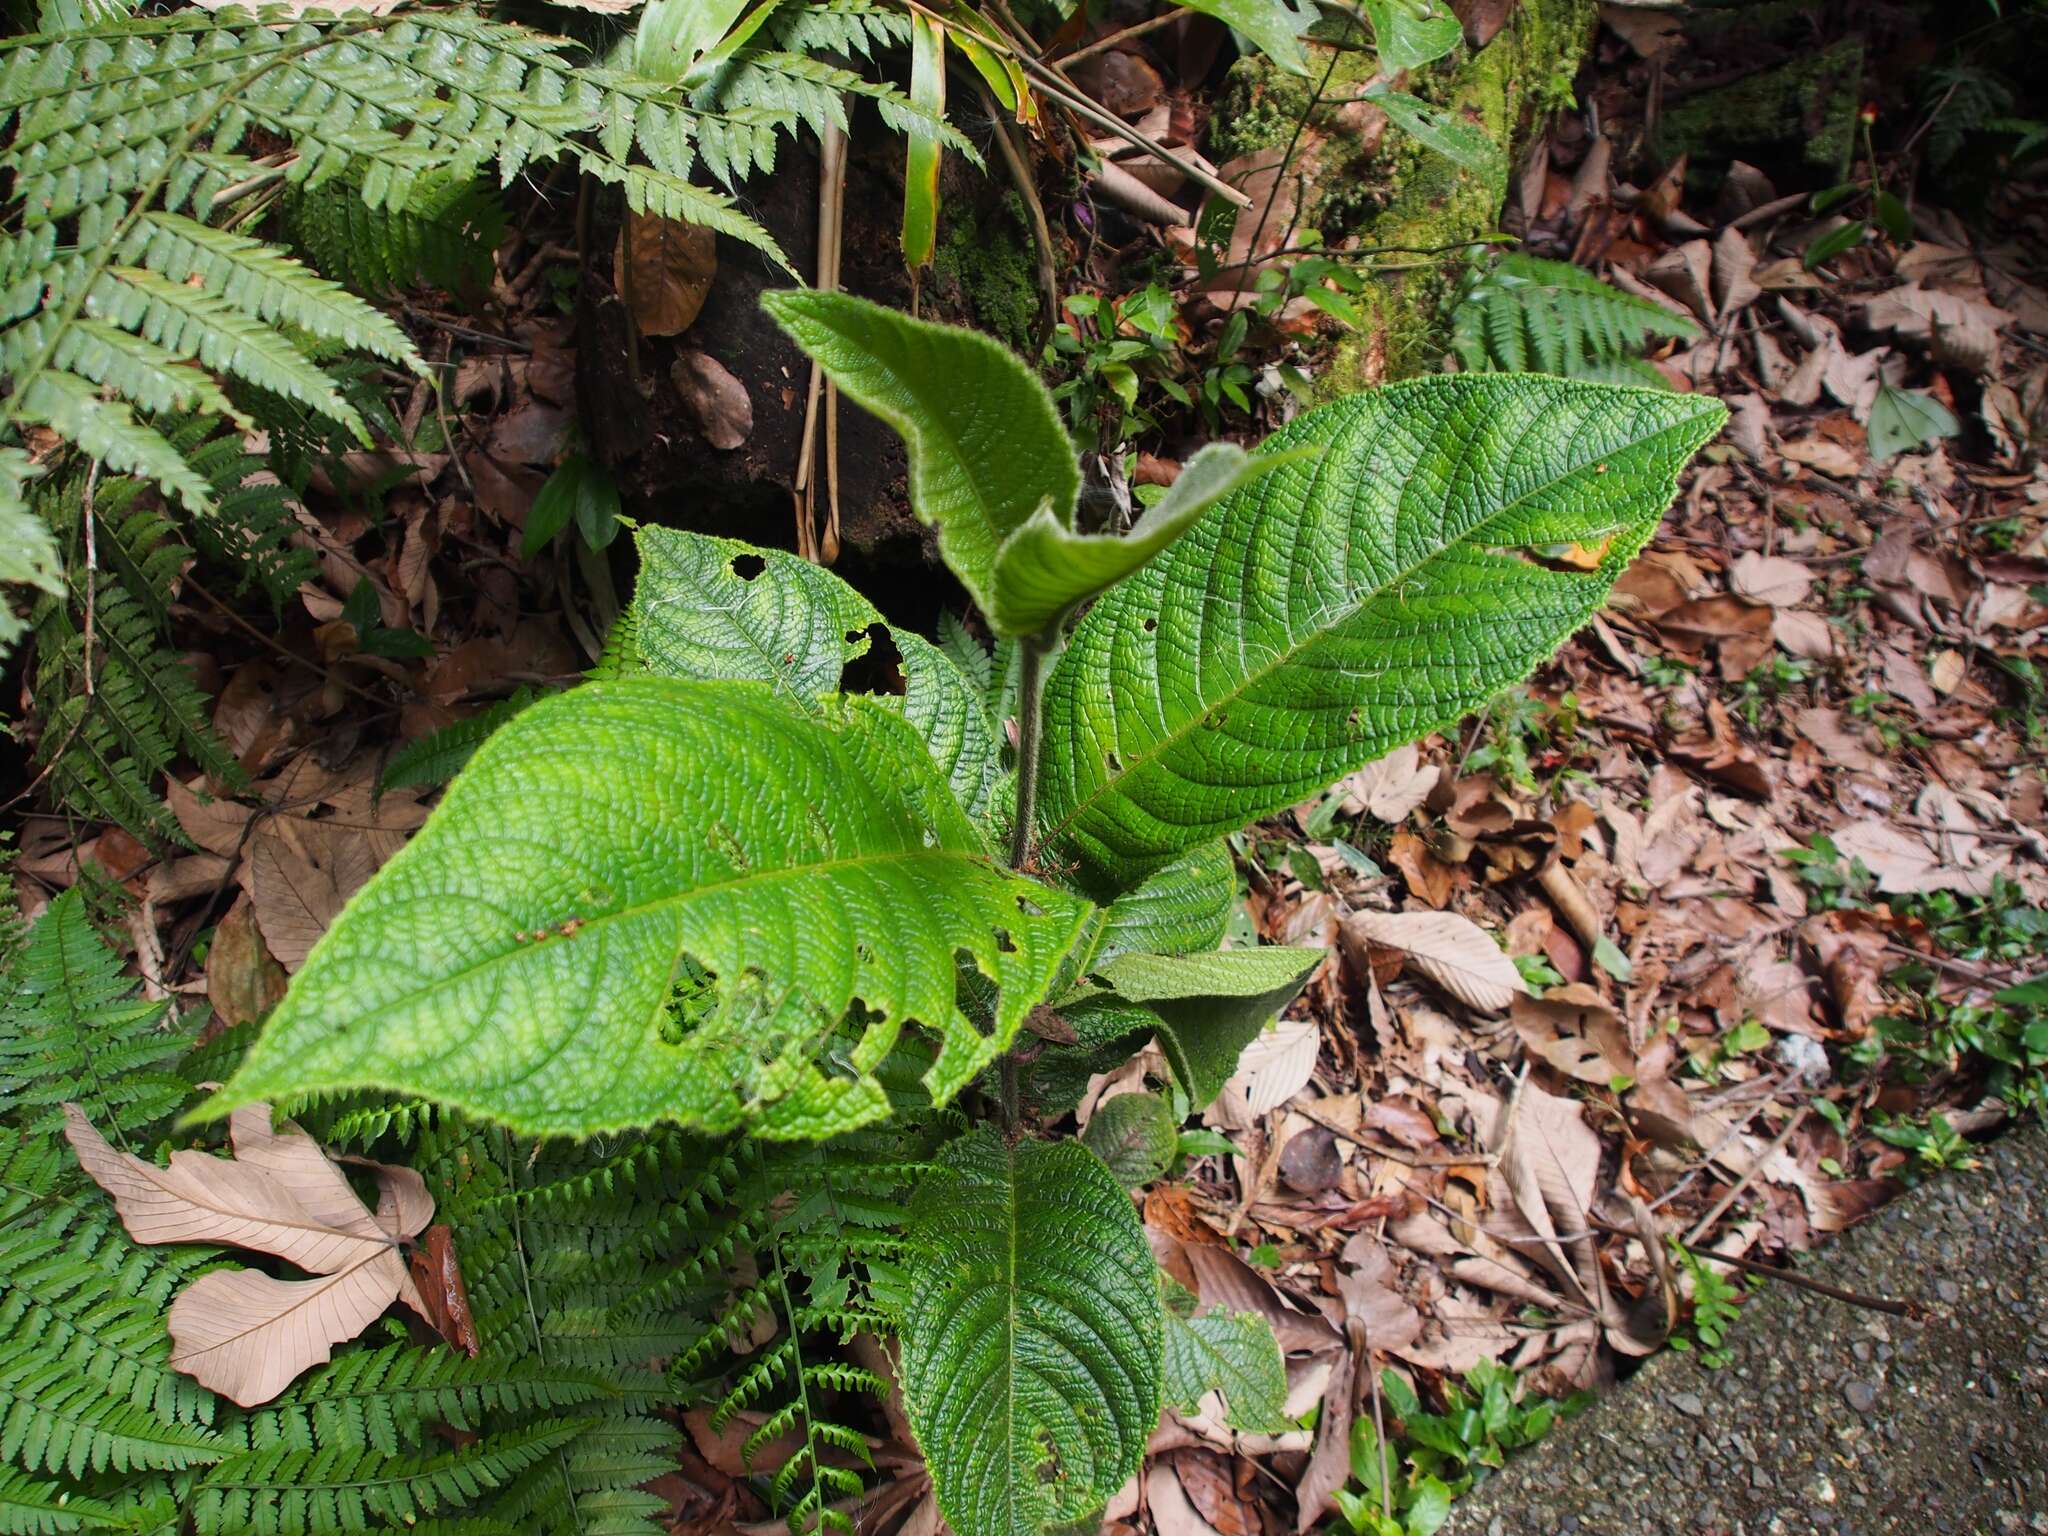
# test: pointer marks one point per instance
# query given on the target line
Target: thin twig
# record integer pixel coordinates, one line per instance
(1034, 206)
(466, 332)
(1916, 1309)
(1989, 834)
(1062, 90)
(1960, 968)
(1118, 39)
(1395, 1154)
(1308, 110)
(1720, 1207)
(327, 674)
(92, 480)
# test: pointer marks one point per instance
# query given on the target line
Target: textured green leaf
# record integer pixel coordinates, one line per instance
(1211, 1006)
(1274, 26)
(1045, 568)
(949, 715)
(1407, 34)
(709, 609)
(1135, 1135)
(1234, 1353)
(1181, 910)
(522, 957)
(1464, 144)
(986, 445)
(1032, 1337)
(1324, 616)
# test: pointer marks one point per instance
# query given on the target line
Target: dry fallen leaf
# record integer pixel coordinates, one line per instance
(715, 399)
(1392, 787)
(663, 269)
(438, 1274)
(243, 980)
(242, 1333)
(1452, 951)
(1769, 579)
(1906, 864)
(299, 874)
(1275, 1066)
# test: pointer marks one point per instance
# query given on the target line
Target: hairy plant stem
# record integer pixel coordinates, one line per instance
(1035, 652)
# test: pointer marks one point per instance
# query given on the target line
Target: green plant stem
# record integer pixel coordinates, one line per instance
(1035, 651)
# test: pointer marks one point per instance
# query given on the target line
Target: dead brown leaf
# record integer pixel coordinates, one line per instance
(663, 269)
(1770, 579)
(243, 980)
(242, 1333)
(1452, 951)
(437, 1274)
(298, 875)
(1389, 789)
(717, 401)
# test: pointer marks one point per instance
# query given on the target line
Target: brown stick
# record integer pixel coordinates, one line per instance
(1911, 1307)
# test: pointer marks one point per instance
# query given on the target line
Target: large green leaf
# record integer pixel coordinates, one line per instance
(710, 609)
(1045, 568)
(1333, 611)
(649, 900)
(1135, 1135)
(1032, 1338)
(986, 446)
(1210, 1007)
(1274, 26)
(949, 714)
(1182, 910)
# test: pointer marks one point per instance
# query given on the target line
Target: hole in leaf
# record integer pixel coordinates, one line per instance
(1029, 907)
(876, 667)
(1004, 942)
(1151, 625)
(747, 567)
(1113, 763)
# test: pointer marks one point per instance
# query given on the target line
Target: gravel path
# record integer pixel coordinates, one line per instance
(1830, 1418)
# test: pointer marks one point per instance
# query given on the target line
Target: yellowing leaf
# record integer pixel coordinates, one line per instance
(243, 1333)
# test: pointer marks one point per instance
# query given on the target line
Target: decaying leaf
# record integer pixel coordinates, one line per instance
(1392, 787)
(242, 1333)
(1452, 951)
(663, 269)
(717, 401)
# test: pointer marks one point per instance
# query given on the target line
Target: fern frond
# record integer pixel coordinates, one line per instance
(1528, 315)
(444, 235)
(385, 1399)
(69, 1030)
(55, 1419)
(108, 738)
(33, 1506)
(127, 137)
(280, 1491)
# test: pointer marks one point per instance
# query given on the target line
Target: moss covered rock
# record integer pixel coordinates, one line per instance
(1373, 183)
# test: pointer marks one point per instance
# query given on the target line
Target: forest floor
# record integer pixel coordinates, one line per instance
(1766, 842)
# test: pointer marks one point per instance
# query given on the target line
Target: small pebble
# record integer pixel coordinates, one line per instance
(1688, 1403)
(1860, 1395)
